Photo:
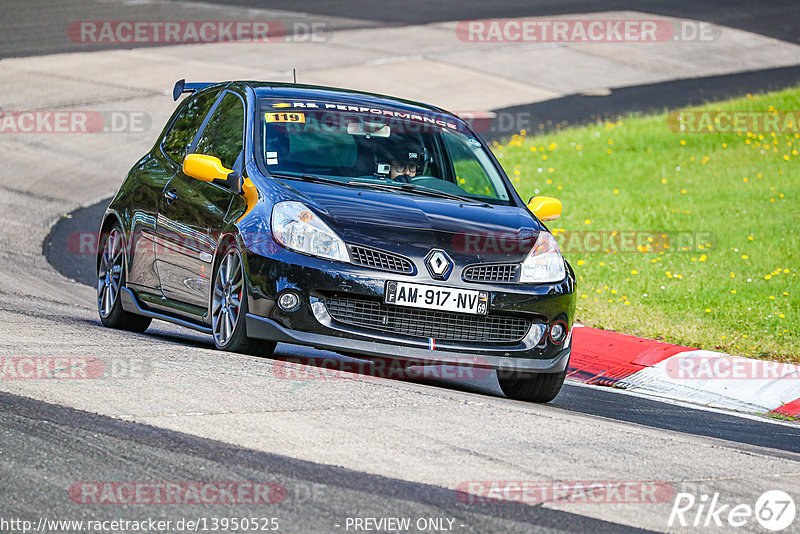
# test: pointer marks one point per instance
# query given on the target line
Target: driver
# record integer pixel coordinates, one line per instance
(404, 163)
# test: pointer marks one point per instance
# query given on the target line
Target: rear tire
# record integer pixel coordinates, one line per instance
(229, 308)
(110, 281)
(531, 387)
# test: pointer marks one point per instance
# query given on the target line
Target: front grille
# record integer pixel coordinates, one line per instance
(506, 272)
(379, 259)
(373, 315)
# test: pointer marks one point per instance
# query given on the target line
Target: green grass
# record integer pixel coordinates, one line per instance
(739, 295)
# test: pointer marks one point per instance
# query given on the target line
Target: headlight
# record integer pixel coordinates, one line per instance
(544, 263)
(297, 228)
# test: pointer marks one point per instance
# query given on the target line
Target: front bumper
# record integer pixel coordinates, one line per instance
(279, 269)
(263, 328)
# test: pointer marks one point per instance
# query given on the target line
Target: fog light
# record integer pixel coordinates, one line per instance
(289, 301)
(558, 332)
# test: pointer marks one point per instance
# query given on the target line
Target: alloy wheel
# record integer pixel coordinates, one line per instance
(109, 274)
(227, 298)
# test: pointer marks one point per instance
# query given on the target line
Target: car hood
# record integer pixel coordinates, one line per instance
(412, 224)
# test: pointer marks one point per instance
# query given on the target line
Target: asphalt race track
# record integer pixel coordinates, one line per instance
(578, 398)
(176, 410)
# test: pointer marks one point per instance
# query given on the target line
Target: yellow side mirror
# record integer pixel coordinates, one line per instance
(545, 208)
(205, 168)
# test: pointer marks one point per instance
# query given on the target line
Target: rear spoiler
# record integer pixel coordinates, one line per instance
(182, 87)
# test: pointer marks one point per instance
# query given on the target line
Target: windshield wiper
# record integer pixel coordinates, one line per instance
(411, 188)
(307, 178)
(422, 190)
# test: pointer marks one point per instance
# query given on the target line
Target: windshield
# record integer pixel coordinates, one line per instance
(378, 146)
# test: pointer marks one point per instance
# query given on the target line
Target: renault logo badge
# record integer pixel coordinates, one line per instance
(439, 264)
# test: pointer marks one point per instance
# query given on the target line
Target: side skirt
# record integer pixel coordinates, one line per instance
(131, 304)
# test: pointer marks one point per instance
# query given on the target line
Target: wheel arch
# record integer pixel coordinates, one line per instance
(110, 218)
(226, 239)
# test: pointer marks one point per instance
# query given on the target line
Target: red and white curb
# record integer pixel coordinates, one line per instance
(674, 372)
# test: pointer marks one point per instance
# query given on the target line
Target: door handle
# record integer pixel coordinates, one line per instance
(170, 197)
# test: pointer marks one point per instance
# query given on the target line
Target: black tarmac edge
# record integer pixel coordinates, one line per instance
(582, 109)
(96, 450)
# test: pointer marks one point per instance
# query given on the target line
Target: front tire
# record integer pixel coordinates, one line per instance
(531, 387)
(111, 280)
(229, 308)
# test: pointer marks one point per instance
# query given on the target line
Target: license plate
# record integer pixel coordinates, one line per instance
(436, 298)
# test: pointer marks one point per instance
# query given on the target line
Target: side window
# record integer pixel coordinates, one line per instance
(223, 136)
(470, 164)
(184, 128)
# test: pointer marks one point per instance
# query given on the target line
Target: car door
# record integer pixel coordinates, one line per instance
(192, 212)
(146, 182)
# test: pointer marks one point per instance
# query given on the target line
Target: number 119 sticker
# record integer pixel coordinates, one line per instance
(285, 117)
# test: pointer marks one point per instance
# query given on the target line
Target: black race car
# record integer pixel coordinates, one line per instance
(368, 225)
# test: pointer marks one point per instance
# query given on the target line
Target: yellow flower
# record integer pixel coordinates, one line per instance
(750, 237)
(616, 191)
(708, 310)
(744, 256)
(581, 262)
(552, 146)
(683, 191)
(781, 316)
(587, 221)
(663, 180)
(733, 291)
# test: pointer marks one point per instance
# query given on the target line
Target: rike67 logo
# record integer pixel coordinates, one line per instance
(774, 510)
